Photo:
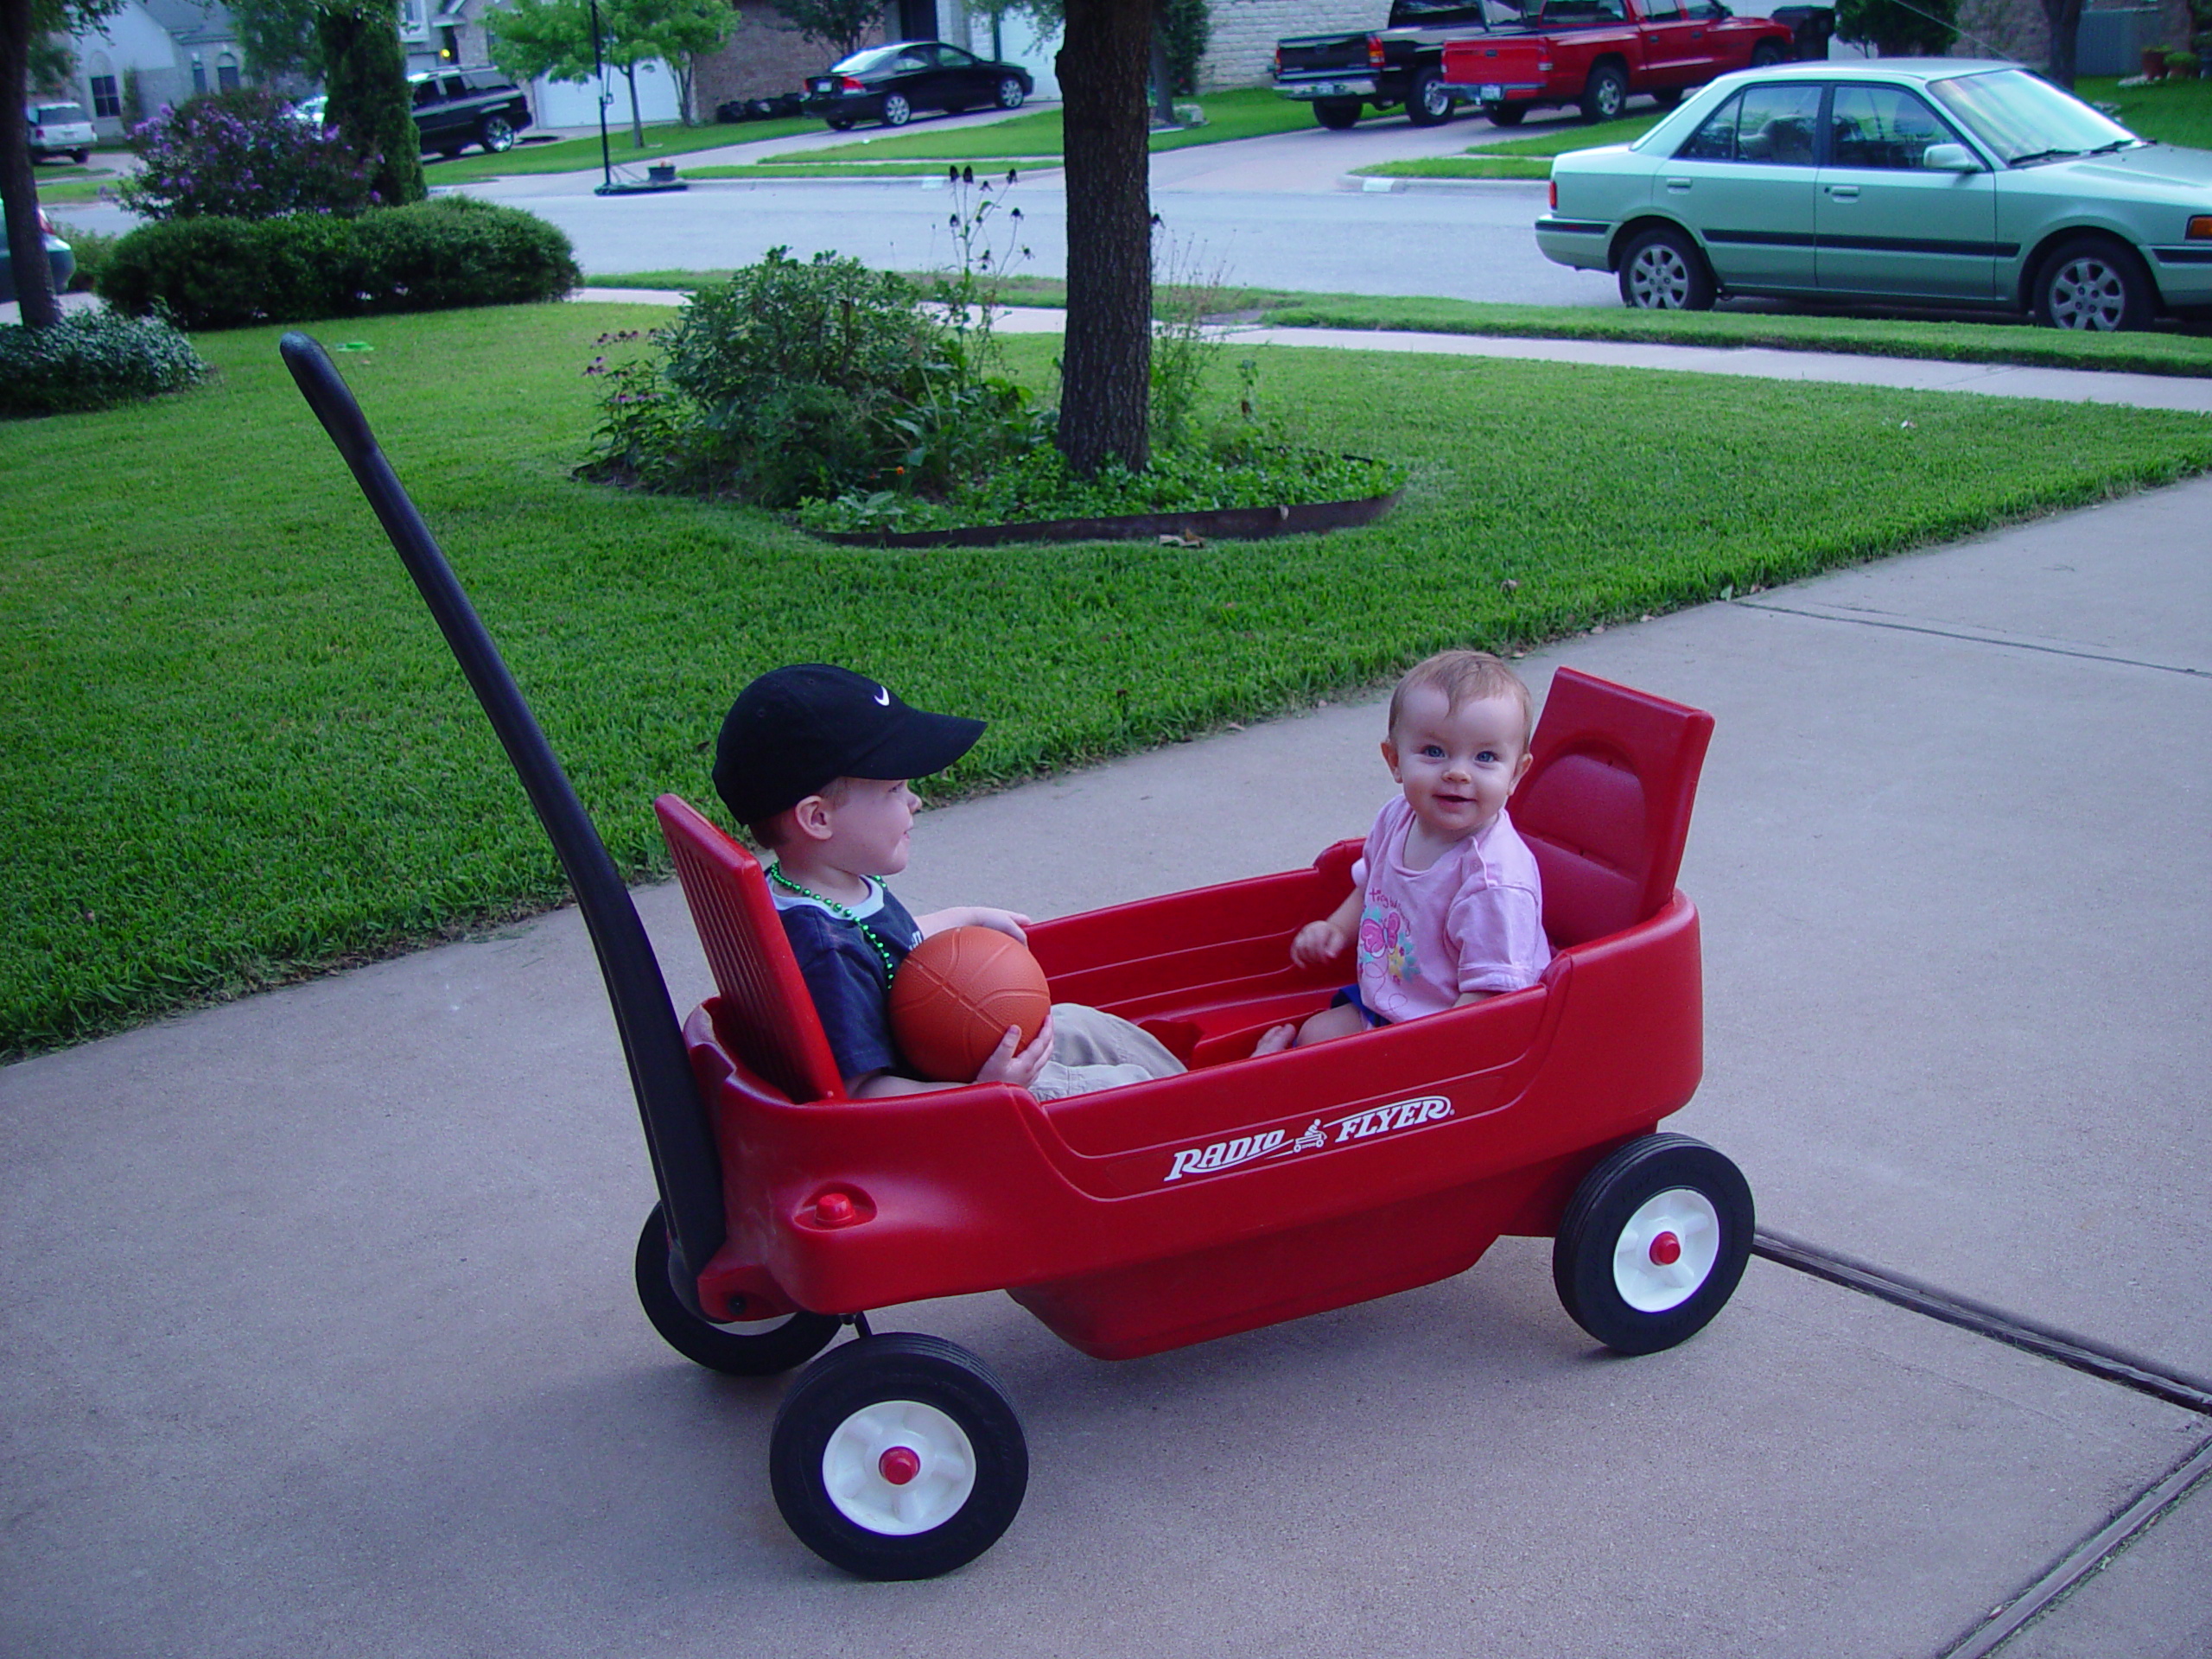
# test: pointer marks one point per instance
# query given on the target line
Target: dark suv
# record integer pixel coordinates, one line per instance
(456, 108)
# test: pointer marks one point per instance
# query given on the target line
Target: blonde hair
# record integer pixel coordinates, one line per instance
(1466, 676)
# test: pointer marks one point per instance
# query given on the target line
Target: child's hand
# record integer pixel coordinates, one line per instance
(1020, 1070)
(1319, 942)
(1009, 921)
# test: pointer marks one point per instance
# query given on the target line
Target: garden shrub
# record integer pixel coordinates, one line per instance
(91, 249)
(238, 155)
(785, 382)
(92, 360)
(432, 255)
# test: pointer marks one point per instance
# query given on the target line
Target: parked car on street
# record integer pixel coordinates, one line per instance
(456, 108)
(1400, 64)
(890, 83)
(59, 260)
(1932, 181)
(60, 129)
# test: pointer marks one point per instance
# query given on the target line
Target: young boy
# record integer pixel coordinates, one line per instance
(1447, 906)
(814, 762)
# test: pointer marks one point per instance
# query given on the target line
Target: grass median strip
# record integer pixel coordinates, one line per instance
(239, 752)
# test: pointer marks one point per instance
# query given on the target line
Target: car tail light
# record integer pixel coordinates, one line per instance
(2200, 228)
(1375, 52)
(1554, 196)
(45, 225)
(850, 83)
(1278, 60)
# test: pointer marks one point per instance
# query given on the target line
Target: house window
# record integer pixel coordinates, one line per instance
(199, 76)
(107, 103)
(411, 22)
(226, 74)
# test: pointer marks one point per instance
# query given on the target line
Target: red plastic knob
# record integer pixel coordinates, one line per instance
(1666, 1250)
(833, 1209)
(899, 1466)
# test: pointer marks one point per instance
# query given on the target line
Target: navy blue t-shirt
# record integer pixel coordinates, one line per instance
(850, 986)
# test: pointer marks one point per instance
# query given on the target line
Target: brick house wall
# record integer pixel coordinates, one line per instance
(1243, 50)
(2016, 27)
(765, 56)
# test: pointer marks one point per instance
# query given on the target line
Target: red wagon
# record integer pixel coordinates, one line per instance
(1245, 1191)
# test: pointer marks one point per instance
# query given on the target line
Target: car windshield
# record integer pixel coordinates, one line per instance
(55, 115)
(868, 60)
(2023, 117)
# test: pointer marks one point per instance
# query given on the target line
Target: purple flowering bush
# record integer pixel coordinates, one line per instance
(243, 155)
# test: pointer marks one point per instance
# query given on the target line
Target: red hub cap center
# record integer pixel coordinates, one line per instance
(899, 1466)
(1666, 1250)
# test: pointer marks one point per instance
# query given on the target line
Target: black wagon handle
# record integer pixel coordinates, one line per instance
(677, 1136)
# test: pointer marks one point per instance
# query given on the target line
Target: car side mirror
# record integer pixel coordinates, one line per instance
(1949, 158)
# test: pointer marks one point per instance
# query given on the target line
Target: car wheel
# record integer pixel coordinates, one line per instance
(1662, 270)
(1667, 97)
(1605, 93)
(2090, 283)
(495, 135)
(449, 152)
(897, 112)
(1767, 53)
(1427, 103)
(79, 156)
(898, 1456)
(1505, 115)
(751, 1348)
(1337, 114)
(1010, 93)
(1653, 1244)
(838, 122)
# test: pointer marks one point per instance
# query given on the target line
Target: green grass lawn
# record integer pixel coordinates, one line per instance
(2173, 350)
(1519, 158)
(238, 752)
(1035, 139)
(663, 140)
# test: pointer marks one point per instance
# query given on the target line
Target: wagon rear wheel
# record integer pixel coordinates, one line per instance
(748, 1348)
(898, 1456)
(1653, 1244)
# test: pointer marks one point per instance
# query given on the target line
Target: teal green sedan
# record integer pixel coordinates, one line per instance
(1915, 182)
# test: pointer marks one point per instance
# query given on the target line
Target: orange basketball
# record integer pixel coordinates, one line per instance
(956, 992)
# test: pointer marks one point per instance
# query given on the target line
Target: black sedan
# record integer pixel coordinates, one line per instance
(889, 83)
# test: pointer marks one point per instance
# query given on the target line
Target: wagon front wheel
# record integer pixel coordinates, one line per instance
(898, 1456)
(747, 1348)
(1653, 1244)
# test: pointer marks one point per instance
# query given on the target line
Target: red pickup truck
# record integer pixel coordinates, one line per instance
(1595, 52)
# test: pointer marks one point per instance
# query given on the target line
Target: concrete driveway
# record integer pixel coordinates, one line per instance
(320, 1337)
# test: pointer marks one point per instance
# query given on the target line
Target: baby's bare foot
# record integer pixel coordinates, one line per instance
(1273, 1041)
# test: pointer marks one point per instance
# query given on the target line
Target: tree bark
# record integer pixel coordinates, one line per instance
(1106, 370)
(18, 189)
(2064, 18)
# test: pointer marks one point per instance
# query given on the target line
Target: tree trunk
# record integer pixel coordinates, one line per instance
(2064, 18)
(18, 189)
(637, 121)
(1106, 370)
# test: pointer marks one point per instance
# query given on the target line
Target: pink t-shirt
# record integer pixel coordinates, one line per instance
(1473, 921)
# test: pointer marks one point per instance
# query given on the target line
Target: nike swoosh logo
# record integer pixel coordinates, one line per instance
(882, 696)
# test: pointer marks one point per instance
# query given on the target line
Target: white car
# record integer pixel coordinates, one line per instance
(60, 129)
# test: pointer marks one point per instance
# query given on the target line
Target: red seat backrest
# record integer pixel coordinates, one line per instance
(765, 1017)
(1605, 806)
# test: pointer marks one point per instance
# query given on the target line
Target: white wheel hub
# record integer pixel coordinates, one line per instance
(2087, 293)
(1667, 1250)
(899, 1467)
(1661, 281)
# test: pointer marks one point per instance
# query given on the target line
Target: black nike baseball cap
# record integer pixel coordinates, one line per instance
(795, 729)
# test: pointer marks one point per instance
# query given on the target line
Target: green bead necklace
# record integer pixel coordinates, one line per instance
(890, 963)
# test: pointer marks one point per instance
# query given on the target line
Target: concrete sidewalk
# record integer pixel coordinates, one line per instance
(320, 1337)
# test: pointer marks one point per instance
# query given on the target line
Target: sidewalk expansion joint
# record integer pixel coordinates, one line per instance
(2046, 1341)
(2110, 1364)
(1971, 635)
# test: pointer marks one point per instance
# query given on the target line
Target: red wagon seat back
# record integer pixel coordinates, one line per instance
(766, 1016)
(1605, 806)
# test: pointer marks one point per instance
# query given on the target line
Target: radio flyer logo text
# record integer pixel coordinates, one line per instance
(1278, 1143)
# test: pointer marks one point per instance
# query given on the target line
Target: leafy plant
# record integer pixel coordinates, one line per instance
(239, 154)
(93, 359)
(92, 250)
